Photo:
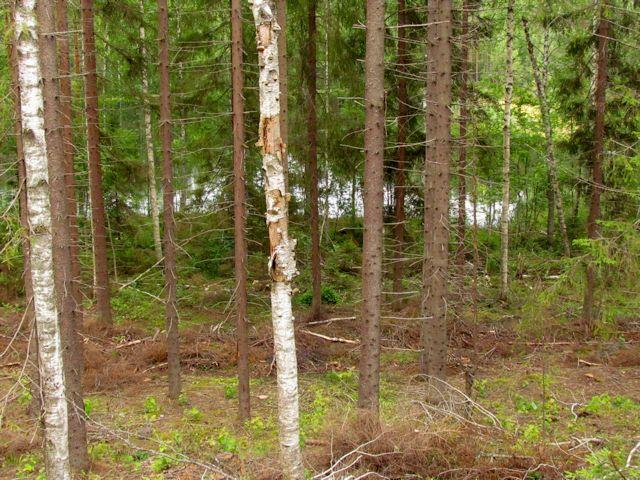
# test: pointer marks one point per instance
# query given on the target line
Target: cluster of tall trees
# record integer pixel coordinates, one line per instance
(440, 98)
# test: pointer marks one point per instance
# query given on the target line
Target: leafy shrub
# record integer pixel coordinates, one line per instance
(329, 297)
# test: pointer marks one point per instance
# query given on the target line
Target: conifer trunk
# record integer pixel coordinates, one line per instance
(61, 230)
(374, 135)
(506, 159)
(312, 172)
(148, 140)
(548, 133)
(240, 210)
(282, 264)
(436, 192)
(593, 229)
(401, 151)
(66, 114)
(462, 149)
(98, 226)
(170, 272)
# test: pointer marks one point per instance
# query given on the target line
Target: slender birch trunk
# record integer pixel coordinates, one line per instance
(401, 152)
(148, 140)
(548, 132)
(312, 170)
(374, 136)
(170, 272)
(282, 264)
(33, 373)
(98, 224)
(436, 190)
(240, 210)
(45, 294)
(506, 159)
(593, 229)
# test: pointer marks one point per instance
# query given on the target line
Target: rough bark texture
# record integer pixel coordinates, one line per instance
(462, 148)
(66, 116)
(548, 132)
(401, 151)
(436, 192)
(374, 134)
(593, 230)
(506, 159)
(283, 62)
(61, 231)
(312, 168)
(45, 295)
(282, 263)
(148, 140)
(32, 370)
(239, 210)
(170, 273)
(100, 262)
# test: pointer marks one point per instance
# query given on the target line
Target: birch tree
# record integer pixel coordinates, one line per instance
(45, 294)
(506, 159)
(282, 263)
(148, 142)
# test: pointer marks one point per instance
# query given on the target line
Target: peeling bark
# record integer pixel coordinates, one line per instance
(282, 263)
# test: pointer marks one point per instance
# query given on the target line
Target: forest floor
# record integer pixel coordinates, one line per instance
(541, 407)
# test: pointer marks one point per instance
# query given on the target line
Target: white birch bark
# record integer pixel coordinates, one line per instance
(506, 160)
(282, 263)
(55, 410)
(148, 138)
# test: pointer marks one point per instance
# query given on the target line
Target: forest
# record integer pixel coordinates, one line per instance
(320, 239)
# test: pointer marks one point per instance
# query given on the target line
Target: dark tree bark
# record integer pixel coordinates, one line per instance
(374, 135)
(436, 193)
(312, 171)
(283, 59)
(401, 151)
(239, 210)
(33, 372)
(593, 229)
(66, 116)
(101, 265)
(63, 273)
(462, 149)
(170, 272)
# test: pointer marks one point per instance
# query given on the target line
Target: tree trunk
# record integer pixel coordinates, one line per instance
(593, 229)
(148, 138)
(462, 149)
(436, 192)
(100, 262)
(282, 263)
(374, 134)
(66, 115)
(283, 61)
(240, 210)
(312, 172)
(170, 272)
(42, 235)
(61, 231)
(551, 218)
(548, 132)
(506, 160)
(33, 372)
(401, 151)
